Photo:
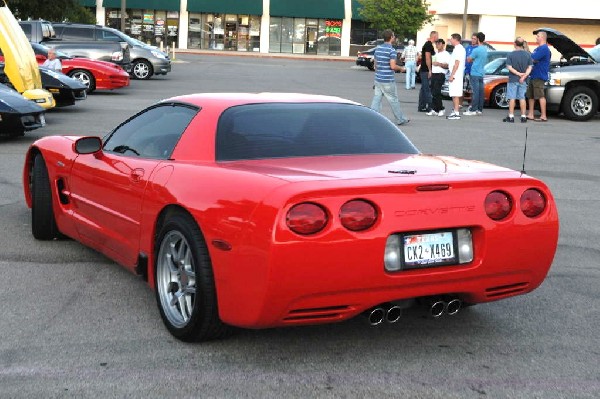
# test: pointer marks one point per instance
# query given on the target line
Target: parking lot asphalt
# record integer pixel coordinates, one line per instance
(75, 324)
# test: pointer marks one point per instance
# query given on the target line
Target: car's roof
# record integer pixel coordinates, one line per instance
(226, 100)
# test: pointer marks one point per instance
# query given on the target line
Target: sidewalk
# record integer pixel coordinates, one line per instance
(313, 57)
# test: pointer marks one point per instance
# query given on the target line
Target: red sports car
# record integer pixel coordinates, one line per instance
(264, 210)
(100, 75)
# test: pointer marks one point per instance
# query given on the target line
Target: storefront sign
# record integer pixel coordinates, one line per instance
(149, 18)
(333, 28)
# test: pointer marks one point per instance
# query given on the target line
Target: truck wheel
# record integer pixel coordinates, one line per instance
(142, 69)
(580, 103)
(498, 98)
(43, 224)
(84, 77)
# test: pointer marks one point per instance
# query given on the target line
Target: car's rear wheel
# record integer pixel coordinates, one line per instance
(185, 288)
(580, 103)
(85, 77)
(498, 98)
(43, 224)
(142, 69)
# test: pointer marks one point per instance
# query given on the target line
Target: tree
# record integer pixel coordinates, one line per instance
(54, 10)
(404, 17)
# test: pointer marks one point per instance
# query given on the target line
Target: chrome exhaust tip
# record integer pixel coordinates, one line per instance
(393, 314)
(453, 306)
(437, 308)
(376, 316)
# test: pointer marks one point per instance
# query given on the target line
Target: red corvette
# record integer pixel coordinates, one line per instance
(263, 210)
(96, 75)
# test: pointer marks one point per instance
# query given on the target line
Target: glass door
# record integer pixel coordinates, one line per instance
(311, 40)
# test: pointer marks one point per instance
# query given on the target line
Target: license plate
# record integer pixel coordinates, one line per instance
(429, 249)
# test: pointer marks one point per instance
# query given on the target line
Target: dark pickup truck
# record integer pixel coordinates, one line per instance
(43, 32)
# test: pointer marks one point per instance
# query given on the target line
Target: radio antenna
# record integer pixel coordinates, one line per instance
(524, 153)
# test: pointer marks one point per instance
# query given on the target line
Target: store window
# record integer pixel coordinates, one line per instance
(305, 36)
(154, 27)
(230, 32)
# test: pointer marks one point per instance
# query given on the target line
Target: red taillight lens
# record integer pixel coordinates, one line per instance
(533, 203)
(306, 218)
(497, 205)
(358, 215)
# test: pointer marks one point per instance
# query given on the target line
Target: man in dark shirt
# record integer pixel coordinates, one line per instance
(427, 53)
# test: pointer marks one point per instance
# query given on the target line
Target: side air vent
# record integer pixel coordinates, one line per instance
(326, 313)
(506, 290)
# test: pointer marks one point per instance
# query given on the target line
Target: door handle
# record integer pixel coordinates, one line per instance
(137, 174)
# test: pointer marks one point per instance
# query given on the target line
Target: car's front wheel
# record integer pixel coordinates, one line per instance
(43, 223)
(84, 77)
(142, 69)
(185, 288)
(580, 103)
(498, 98)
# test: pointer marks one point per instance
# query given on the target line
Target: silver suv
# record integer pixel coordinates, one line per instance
(145, 60)
(573, 87)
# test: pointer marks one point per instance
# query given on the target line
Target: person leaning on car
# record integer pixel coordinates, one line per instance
(52, 62)
(519, 64)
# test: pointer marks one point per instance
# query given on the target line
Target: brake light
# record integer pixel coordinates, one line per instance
(306, 218)
(533, 203)
(358, 215)
(497, 205)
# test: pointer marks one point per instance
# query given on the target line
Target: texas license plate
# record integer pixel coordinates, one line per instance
(429, 249)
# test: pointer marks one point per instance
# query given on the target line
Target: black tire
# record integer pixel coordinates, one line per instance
(142, 69)
(498, 97)
(85, 77)
(371, 65)
(580, 103)
(185, 287)
(43, 224)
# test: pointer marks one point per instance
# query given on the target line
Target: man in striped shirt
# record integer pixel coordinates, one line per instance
(385, 79)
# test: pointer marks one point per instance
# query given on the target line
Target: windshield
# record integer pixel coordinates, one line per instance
(286, 130)
(493, 67)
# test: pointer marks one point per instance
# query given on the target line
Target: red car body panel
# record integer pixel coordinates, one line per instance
(107, 76)
(272, 276)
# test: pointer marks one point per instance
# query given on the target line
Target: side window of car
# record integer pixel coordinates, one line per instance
(153, 133)
(107, 36)
(27, 29)
(77, 33)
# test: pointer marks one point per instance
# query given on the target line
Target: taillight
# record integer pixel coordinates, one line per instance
(497, 205)
(306, 218)
(358, 215)
(533, 202)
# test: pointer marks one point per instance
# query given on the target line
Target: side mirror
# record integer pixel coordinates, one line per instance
(87, 145)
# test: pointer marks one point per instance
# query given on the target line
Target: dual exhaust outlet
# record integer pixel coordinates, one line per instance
(385, 312)
(390, 313)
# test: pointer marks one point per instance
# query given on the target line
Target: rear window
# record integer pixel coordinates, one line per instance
(27, 30)
(283, 130)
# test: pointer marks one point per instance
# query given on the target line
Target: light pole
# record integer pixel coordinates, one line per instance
(123, 16)
(464, 22)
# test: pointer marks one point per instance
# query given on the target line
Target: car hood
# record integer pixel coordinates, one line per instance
(51, 78)
(12, 102)
(567, 47)
(396, 166)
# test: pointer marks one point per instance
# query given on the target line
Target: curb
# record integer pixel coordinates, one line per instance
(267, 55)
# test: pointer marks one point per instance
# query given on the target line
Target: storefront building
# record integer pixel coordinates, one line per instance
(327, 27)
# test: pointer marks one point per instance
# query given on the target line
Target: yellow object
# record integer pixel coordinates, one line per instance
(20, 65)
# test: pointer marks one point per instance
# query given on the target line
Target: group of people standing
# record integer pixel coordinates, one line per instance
(527, 74)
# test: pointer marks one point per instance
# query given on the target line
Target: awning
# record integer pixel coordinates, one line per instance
(356, 6)
(169, 5)
(88, 3)
(308, 8)
(245, 7)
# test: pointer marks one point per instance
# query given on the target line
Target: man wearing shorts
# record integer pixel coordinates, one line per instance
(539, 75)
(519, 64)
(457, 67)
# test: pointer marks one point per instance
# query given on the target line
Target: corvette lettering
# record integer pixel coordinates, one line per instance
(435, 211)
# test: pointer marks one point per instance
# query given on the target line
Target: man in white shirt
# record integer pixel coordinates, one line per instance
(52, 62)
(457, 68)
(439, 69)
